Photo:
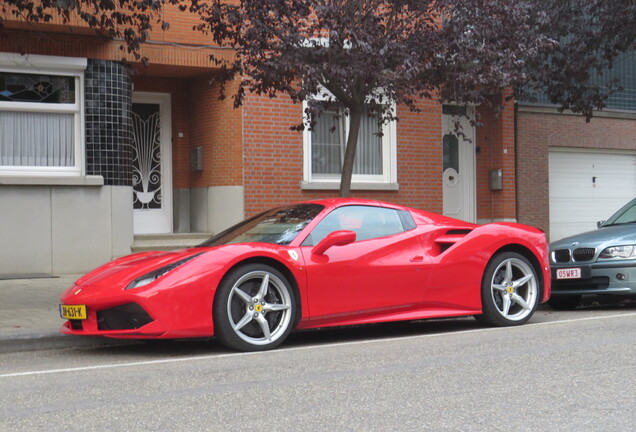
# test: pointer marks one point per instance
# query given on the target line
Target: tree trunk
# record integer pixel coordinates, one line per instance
(350, 151)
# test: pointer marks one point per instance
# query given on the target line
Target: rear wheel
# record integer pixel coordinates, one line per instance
(564, 302)
(510, 290)
(254, 308)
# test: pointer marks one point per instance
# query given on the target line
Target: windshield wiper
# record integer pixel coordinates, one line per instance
(619, 223)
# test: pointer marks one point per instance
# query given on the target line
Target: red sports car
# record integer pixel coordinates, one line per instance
(315, 264)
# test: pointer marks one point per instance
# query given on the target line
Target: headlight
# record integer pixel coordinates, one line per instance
(624, 252)
(156, 274)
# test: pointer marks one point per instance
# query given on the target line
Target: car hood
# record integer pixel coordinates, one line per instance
(616, 235)
(132, 266)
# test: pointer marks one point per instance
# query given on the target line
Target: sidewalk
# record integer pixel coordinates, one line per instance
(30, 319)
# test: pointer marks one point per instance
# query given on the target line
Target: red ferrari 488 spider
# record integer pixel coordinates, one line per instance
(316, 264)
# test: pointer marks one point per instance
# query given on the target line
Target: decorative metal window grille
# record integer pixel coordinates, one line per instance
(146, 156)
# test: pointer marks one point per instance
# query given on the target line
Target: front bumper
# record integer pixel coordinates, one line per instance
(148, 312)
(125, 321)
(611, 278)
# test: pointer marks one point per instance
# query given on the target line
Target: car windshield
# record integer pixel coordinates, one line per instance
(626, 215)
(278, 226)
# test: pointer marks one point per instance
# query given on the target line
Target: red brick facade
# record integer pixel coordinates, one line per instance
(273, 157)
(254, 147)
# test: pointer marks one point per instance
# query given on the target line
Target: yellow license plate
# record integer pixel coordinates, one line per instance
(77, 312)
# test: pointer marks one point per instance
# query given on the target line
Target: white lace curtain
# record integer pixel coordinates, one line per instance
(328, 147)
(36, 139)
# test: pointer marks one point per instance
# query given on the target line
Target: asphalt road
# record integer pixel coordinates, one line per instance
(572, 371)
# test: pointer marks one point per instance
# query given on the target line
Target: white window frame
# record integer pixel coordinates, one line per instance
(49, 65)
(385, 181)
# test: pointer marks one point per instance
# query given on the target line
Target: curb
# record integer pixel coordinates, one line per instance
(48, 340)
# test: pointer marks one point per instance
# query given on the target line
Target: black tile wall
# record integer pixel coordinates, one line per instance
(108, 101)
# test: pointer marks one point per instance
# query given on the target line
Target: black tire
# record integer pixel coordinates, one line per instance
(564, 302)
(510, 290)
(254, 308)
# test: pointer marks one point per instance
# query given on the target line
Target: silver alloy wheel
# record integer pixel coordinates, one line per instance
(514, 289)
(259, 307)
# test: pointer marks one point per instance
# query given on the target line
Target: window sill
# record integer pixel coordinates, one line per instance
(327, 185)
(90, 180)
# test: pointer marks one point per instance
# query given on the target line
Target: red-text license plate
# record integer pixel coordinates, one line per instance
(77, 312)
(568, 273)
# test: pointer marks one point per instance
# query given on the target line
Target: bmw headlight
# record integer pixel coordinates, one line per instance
(624, 252)
(156, 274)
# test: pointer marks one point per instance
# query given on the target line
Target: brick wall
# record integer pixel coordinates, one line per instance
(272, 153)
(254, 147)
(217, 126)
(98, 48)
(537, 132)
(495, 141)
(80, 41)
(273, 157)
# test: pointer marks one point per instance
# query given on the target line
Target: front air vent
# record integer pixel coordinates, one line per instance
(444, 246)
(561, 255)
(584, 254)
(449, 238)
(125, 317)
(458, 232)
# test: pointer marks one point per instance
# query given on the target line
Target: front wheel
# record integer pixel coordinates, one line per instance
(510, 290)
(254, 308)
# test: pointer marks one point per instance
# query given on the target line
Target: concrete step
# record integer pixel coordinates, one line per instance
(167, 242)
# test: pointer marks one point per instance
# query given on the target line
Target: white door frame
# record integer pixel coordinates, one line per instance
(159, 221)
(466, 183)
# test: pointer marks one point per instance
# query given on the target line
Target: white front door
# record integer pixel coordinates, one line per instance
(458, 176)
(152, 163)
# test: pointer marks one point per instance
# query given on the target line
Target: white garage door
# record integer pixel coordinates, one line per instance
(587, 186)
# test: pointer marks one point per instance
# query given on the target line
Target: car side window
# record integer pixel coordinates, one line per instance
(367, 222)
(628, 216)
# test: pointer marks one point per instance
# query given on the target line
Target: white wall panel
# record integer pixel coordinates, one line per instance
(25, 230)
(81, 228)
(63, 229)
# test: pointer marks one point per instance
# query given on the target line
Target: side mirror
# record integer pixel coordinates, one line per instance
(336, 238)
(600, 223)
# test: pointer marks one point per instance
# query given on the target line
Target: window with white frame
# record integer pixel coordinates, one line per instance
(325, 148)
(41, 115)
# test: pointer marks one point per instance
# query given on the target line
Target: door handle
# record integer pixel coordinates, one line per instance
(417, 258)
